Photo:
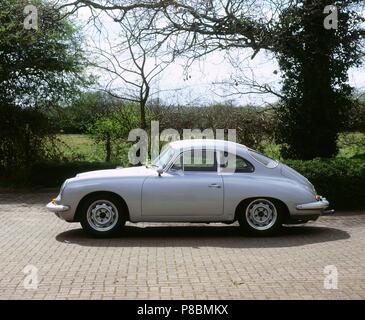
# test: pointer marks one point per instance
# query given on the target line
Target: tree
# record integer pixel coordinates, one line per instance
(315, 61)
(132, 65)
(38, 68)
(79, 115)
(357, 115)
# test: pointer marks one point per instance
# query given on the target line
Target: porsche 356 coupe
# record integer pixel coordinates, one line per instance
(181, 185)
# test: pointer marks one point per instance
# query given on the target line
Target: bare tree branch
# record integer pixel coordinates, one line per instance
(129, 64)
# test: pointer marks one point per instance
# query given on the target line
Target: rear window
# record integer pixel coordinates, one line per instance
(266, 161)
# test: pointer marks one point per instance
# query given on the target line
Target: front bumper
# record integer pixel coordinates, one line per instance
(320, 204)
(54, 207)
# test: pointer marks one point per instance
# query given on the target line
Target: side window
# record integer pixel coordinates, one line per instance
(196, 160)
(230, 162)
(266, 161)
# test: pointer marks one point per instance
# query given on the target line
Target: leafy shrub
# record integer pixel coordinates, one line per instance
(25, 137)
(340, 180)
(112, 130)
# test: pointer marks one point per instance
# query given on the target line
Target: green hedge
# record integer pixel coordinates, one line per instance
(50, 174)
(53, 174)
(340, 180)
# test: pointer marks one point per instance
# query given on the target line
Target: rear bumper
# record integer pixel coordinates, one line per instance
(321, 204)
(310, 211)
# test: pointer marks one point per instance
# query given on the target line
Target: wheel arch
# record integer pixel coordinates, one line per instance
(282, 206)
(91, 194)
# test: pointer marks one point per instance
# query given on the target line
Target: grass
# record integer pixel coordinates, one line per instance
(351, 145)
(80, 147)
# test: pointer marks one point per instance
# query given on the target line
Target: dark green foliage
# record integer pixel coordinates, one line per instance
(38, 67)
(38, 70)
(82, 113)
(49, 173)
(25, 137)
(314, 62)
(356, 120)
(341, 181)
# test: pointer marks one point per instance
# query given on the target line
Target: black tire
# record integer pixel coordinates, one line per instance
(102, 214)
(272, 221)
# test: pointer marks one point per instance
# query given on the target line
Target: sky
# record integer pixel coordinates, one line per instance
(203, 82)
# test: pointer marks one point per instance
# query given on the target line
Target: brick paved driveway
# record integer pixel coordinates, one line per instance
(154, 261)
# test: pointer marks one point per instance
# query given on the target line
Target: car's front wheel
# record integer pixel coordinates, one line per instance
(260, 216)
(102, 215)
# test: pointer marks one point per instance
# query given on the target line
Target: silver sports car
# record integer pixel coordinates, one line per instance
(195, 180)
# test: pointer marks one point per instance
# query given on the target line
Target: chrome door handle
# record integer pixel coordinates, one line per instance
(214, 185)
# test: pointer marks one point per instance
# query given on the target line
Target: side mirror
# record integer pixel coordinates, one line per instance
(160, 171)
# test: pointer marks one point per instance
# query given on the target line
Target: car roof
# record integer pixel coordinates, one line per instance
(207, 143)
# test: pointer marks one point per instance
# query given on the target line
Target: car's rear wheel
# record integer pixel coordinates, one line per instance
(260, 216)
(102, 215)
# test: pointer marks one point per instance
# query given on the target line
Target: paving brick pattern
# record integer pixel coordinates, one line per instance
(154, 261)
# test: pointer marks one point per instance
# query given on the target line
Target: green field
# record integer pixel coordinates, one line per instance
(82, 147)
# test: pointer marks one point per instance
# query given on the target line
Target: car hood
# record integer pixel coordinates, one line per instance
(296, 176)
(118, 172)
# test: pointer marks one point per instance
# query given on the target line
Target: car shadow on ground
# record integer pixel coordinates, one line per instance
(204, 236)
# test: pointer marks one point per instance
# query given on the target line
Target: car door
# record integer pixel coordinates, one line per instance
(190, 190)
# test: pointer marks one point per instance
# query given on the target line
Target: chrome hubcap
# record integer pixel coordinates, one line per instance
(261, 214)
(102, 215)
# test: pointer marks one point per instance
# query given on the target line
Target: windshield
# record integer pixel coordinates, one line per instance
(266, 161)
(164, 158)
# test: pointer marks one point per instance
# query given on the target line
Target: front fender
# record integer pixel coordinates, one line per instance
(128, 188)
